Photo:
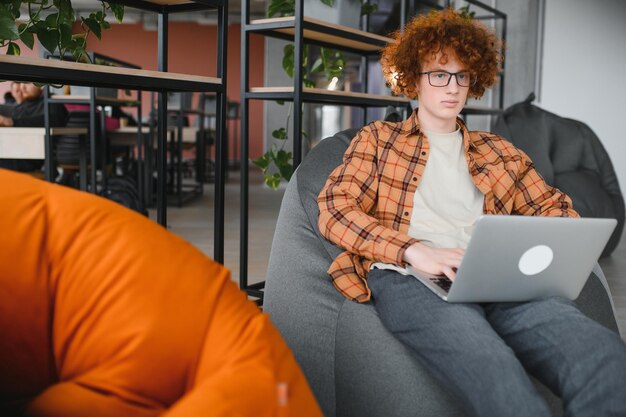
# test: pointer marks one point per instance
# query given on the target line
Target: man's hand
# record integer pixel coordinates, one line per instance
(6, 121)
(433, 260)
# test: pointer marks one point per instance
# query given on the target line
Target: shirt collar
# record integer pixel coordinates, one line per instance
(412, 126)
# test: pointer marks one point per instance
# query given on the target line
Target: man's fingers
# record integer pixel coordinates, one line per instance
(449, 272)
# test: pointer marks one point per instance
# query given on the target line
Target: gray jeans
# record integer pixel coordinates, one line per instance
(483, 353)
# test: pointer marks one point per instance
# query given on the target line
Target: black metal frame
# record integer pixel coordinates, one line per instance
(20, 71)
(94, 101)
(186, 192)
(298, 96)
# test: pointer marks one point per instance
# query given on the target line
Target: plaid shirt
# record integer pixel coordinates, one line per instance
(367, 202)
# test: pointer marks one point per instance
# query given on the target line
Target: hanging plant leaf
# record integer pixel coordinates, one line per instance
(281, 8)
(65, 30)
(66, 11)
(288, 59)
(118, 11)
(273, 181)
(286, 171)
(280, 133)
(262, 162)
(318, 65)
(49, 38)
(13, 49)
(93, 26)
(51, 20)
(26, 36)
(329, 3)
(8, 30)
(368, 8)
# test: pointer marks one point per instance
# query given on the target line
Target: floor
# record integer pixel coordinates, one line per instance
(194, 222)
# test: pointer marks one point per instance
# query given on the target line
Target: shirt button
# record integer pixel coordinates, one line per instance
(406, 213)
(414, 178)
(423, 152)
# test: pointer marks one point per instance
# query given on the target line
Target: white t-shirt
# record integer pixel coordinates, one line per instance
(447, 203)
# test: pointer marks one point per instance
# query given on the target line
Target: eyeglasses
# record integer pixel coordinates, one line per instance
(442, 78)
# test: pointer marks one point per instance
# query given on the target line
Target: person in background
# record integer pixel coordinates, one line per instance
(409, 193)
(29, 112)
(11, 99)
(16, 93)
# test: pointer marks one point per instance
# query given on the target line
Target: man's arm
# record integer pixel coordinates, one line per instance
(34, 117)
(533, 197)
(348, 197)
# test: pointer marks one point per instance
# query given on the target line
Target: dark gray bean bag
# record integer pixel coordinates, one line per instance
(570, 157)
(353, 364)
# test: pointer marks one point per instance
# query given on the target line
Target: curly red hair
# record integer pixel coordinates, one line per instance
(475, 45)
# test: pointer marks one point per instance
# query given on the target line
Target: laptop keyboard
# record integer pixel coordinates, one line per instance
(441, 281)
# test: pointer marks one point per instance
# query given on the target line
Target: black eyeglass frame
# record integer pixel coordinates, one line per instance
(472, 80)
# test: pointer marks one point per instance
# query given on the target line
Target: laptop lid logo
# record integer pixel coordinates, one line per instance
(535, 260)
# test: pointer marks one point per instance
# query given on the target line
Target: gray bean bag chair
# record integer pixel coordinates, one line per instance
(570, 157)
(354, 365)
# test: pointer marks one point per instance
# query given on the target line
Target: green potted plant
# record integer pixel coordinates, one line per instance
(52, 23)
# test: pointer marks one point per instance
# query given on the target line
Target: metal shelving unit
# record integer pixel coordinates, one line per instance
(93, 101)
(161, 81)
(300, 29)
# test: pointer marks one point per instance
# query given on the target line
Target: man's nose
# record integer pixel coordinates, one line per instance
(453, 85)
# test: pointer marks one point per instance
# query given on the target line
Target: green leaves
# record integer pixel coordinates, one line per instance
(280, 134)
(466, 13)
(118, 11)
(93, 26)
(54, 31)
(332, 63)
(288, 59)
(275, 160)
(13, 49)
(26, 35)
(368, 8)
(8, 29)
(281, 8)
(49, 38)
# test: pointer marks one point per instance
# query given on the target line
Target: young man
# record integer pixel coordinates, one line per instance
(409, 193)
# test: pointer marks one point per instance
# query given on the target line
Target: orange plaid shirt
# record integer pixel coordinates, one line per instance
(367, 202)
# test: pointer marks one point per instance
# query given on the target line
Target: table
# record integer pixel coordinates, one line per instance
(30, 143)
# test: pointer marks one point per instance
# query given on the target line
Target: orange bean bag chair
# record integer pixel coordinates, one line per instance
(105, 313)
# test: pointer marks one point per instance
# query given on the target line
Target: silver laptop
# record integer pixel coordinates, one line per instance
(520, 258)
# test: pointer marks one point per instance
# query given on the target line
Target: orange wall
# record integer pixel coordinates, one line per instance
(192, 50)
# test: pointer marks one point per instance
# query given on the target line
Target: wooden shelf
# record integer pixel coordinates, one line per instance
(160, 6)
(191, 111)
(319, 95)
(50, 71)
(317, 31)
(69, 99)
